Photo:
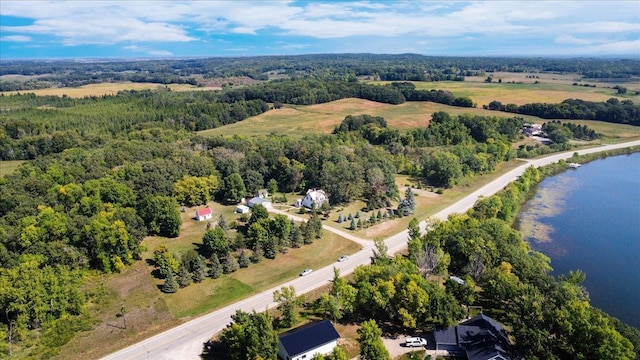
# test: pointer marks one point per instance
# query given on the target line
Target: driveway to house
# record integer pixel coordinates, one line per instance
(186, 341)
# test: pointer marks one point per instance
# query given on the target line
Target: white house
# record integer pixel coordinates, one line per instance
(303, 343)
(259, 200)
(203, 214)
(242, 209)
(314, 199)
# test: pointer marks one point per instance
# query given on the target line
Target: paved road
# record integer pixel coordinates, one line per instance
(185, 341)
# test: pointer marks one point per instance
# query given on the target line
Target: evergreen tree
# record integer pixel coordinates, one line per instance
(353, 225)
(340, 219)
(258, 254)
(270, 249)
(357, 215)
(243, 261)
(295, 236)
(230, 264)
(215, 268)
(198, 269)
(222, 223)
(170, 285)
(379, 215)
(184, 276)
(350, 217)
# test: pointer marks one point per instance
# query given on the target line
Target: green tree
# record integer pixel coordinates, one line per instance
(258, 212)
(233, 189)
(215, 268)
(192, 190)
(184, 275)
(230, 264)
(164, 261)
(216, 241)
(339, 353)
(161, 215)
(288, 301)
(442, 169)
(272, 186)
(370, 340)
(251, 336)
(170, 285)
(243, 260)
(198, 269)
(295, 236)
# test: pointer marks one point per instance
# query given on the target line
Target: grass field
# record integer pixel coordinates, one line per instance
(483, 93)
(108, 89)
(300, 120)
(7, 167)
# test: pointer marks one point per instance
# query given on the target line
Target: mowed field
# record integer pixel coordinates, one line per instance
(300, 120)
(108, 89)
(524, 90)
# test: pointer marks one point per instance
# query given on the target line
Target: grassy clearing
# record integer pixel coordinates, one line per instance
(544, 92)
(8, 166)
(108, 89)
(301, 120)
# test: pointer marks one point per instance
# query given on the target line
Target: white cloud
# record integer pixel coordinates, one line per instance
(117, 22)
(570, 39)
(16, 38)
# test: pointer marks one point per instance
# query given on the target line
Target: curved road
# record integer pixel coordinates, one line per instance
(186, 340)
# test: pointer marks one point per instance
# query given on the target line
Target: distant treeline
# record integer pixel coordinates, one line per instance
(401, 67)
(613, 110)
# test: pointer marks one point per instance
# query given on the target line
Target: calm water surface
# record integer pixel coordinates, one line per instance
(589, 219)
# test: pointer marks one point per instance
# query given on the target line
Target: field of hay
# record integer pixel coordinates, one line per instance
(108, 89)
(524, 90)
(301, 120)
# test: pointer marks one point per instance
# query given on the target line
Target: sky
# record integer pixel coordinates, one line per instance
(163, 29)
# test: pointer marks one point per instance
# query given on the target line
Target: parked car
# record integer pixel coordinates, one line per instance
(412, 341)
(343, 258)
(306, 272)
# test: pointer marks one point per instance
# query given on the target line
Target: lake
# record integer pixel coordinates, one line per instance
(589, 219)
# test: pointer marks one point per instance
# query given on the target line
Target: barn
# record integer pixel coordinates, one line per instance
(203, 214)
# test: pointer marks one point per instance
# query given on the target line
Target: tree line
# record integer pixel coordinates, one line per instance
(612, 110)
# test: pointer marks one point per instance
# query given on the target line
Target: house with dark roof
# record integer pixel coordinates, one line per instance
(304, 342)
(479, 338)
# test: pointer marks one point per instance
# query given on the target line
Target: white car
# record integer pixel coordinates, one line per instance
(306, 272)
(415, 341)
(343, 258)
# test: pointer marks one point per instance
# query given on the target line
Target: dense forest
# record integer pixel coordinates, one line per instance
(403, 67)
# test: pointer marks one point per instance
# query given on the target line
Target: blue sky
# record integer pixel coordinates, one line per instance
(92, 29)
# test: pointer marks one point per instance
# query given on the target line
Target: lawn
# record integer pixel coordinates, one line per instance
(8, 166)
(107, 89)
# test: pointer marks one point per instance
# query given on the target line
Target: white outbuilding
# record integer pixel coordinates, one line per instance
(304, 342)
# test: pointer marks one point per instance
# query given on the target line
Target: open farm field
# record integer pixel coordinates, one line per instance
(8, 166)
(483, 93)
(108, 89)
(300, 120)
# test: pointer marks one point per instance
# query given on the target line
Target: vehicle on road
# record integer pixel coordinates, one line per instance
(343, 258)
(306, 272)
(412, 341)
